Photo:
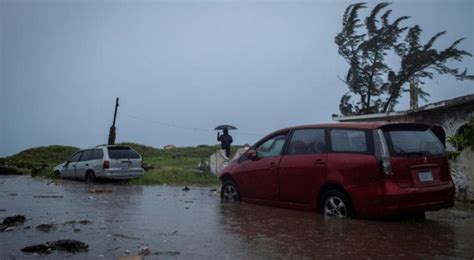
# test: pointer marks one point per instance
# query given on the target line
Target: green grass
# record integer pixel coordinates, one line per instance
(175, 166)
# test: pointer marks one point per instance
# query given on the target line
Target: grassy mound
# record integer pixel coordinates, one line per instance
(36, 161)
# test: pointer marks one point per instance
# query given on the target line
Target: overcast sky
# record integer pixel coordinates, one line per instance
(182, 67)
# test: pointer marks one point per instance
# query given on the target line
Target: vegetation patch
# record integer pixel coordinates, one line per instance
(177, 166)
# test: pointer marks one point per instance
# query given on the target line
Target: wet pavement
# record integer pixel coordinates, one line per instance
(174, 223)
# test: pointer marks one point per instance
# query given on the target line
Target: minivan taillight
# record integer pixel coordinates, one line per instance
(387, 166)
(106, 164)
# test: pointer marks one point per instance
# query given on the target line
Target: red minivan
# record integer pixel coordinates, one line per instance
(345, 169)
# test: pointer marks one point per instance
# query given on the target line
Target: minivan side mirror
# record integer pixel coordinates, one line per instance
(251, 154)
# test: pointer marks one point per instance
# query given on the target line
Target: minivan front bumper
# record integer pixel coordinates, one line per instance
(394, 200)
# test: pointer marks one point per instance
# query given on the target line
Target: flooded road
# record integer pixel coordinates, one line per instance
(174, 223)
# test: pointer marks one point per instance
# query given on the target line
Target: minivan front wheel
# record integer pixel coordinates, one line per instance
(337, 204)
(230, 192)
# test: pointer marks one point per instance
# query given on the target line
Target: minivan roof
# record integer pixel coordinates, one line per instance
(357, 125)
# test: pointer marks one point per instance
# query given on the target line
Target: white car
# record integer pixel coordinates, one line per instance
(103, 162)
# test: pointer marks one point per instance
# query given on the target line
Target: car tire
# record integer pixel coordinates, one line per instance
(230, 192)
(90, 177)
(336, 203)
(57, 174)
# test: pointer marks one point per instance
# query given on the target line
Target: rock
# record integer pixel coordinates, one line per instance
(186, 188)
(69, 245)
(41, 248)
(12, 221)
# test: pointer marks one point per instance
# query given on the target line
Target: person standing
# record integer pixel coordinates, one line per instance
(225, 140)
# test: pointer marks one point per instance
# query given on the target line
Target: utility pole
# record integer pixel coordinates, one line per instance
(112, 128)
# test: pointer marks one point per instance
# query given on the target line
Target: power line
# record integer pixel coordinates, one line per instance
(189, 128)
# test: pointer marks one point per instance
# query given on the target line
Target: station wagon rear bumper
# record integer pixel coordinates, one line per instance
(394, 200)
(120, 174)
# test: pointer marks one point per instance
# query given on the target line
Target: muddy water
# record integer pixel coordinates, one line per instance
(195, 224)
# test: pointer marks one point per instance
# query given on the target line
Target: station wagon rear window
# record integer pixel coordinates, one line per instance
(122, 153)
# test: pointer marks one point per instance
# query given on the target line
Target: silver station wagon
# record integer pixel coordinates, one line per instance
(102, 162)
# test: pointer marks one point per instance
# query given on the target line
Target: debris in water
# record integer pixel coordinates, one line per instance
(169, 253)
(74, 222)
(46, 227)
(48, 196)
(130, 257)
(99, 191)
(124, 236)
(144, 250)
(12, 194)
(186, 188)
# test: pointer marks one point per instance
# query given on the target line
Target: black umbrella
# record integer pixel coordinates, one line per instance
(228, 127)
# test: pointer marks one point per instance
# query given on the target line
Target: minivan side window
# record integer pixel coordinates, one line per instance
(349, 140)
(272, 146)
(75, 157)
(97, 154)
(307, 141)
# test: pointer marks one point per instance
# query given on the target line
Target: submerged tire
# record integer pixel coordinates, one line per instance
(335, 203)
(230, 192)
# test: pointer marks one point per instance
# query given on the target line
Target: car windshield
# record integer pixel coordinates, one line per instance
(414, 142)
(122, 153)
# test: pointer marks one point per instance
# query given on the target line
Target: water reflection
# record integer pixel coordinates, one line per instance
(306, 234)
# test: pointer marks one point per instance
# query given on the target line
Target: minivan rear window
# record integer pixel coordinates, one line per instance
(122, 153)
(413, 142)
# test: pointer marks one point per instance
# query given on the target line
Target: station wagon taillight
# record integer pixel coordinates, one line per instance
(106, 164)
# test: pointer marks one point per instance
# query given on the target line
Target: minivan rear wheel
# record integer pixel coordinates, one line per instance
(335, 203)
(90, 177)
(230, 192)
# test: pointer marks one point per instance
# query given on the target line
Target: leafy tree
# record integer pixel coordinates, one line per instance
(365, 45)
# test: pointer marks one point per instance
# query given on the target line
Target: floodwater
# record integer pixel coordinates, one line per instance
(174, 223)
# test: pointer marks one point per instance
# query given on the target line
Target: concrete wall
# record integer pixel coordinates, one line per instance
(462, 170)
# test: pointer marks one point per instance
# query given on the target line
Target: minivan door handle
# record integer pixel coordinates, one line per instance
(272, 165)
(319, 162)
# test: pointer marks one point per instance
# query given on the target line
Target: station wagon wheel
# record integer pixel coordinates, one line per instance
(336, 203)
(90, 177)
(230, 192)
